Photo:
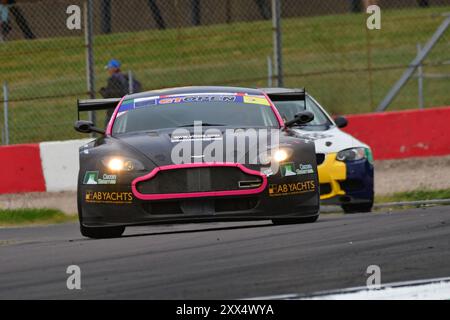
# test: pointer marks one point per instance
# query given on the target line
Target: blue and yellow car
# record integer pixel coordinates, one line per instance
(345, 164)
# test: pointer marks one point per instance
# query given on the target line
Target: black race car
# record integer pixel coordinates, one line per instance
(194, 154)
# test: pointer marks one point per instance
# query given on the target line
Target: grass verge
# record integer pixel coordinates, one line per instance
(11, 217)
(416, 195)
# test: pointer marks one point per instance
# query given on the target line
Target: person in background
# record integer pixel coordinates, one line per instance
(117, 85)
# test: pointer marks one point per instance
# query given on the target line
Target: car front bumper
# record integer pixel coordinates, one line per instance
(345, 182)
(122, 204)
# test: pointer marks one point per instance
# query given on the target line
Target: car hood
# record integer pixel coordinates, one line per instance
(158, 145)
(331, 140)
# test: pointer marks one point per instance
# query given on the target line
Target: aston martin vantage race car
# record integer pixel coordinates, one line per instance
(194, 154)
(345, 164)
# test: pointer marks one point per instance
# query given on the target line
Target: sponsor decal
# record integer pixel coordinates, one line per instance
(108, 179)
(164, 100)
(289, 189)
(256, 100)
(305, 169)
(91, 177)
(288, 169)
(196, 137)
(108, 197)
(128, 105)
(199, 98)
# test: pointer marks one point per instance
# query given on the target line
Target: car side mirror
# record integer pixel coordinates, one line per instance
(84, 126)
(341, 122)
(303, 117)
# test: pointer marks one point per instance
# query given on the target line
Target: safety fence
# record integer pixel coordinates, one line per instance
(53, 52)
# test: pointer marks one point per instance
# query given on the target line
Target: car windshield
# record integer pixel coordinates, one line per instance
(155, 113)
(288, 110)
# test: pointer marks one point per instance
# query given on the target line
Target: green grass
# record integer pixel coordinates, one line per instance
(33, 216)
(326, 54)
(414, 196)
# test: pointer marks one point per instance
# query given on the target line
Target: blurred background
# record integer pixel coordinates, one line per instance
(325, 47)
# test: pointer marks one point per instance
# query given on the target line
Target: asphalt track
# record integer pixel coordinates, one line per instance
(226, 260)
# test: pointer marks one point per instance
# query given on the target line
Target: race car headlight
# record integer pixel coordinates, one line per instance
(271, 155)
(353, 154)
(122, 164)
(275, 155)
(280, 155)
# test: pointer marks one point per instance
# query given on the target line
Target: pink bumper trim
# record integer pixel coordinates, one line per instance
(166, 196)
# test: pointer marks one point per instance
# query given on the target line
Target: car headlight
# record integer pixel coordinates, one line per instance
(280, 155)
(354, 154)
(277, 155)
(122, 164)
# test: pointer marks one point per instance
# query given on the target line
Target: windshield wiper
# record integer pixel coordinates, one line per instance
(203, 125)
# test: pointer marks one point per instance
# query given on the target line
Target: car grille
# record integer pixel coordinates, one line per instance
(320, 158)
(200, 206)
(202, 179)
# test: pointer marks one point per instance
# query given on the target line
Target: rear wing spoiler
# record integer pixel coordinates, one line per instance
(287, 96)
(298, 94)
(96, 104)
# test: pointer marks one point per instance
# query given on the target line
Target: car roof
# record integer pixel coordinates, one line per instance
(194, 89)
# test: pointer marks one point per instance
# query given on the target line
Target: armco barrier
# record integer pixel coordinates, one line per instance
(48, 166)
(403, 134)
(53, 166)
(20, 169)
(60, 164)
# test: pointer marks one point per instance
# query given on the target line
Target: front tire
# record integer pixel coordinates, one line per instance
(285, 221)
(102, 232)
(357, 207)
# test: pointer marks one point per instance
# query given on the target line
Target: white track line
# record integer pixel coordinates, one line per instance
(431, 289)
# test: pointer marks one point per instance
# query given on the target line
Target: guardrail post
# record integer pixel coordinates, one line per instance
(269, 72)
(420, 80)
(89, 39)
(130, 82)
(277, 46)
(5, 136)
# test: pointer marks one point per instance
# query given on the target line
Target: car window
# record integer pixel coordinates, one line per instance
(175, 111)
(288, 110)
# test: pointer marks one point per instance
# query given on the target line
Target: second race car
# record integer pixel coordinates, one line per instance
(346, 172)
